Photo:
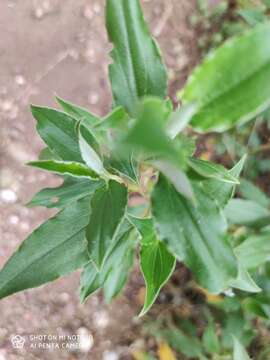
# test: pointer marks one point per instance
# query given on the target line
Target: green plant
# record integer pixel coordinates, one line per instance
(141, 149)
(223, 318)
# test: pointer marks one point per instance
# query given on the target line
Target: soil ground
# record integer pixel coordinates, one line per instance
(49, 47)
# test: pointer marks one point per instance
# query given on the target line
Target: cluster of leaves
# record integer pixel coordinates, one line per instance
(182, 339)
(234, 316)
(222, 320)
(188, 213)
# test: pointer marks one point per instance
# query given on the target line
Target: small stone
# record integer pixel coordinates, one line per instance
(97, 8)
(90, 54)
(20, 80)
(74, 54)
(8, 196)
(101, 319)
(86, 339)
(39, 13)
(6, 105)
(25, 226)
(229, 293)
(110, 355)
(64, 297)
(11, 5)
(88, 13)
(93, 98)
(18, 152)
(13, 219)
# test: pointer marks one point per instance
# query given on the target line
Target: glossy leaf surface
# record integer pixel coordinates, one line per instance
(137, 69)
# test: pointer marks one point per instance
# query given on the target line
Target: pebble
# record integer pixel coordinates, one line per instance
(39, 13)
(93, 98)
(13, 219)
(20, 80)
(25, 226)
(88, 13)
(97, 8)
(44, 8)
(86, 340)
(74, 54)
(18, 152)
(101, 319)
(11, 5)
(6, 105)
(8, 196)
(90, 54)
(110, 355)
(64, 297)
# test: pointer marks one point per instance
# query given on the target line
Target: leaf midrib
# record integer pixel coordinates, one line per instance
(236, 84)
(41, 256)
(130, 58)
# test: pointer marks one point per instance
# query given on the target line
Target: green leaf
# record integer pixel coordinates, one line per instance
(71, 190)
(236, 325)
(177, 177)
(187, 345)
(113, 274)
(148, 134)
(210, 339)
(223, 192)
(211, 170)
(54, 249)
(58, 130)
(47, 154)
(239, 352)
(157, 264)
(137, 69)
(180, 119)
(111, 128)
(195, 235)
(244, 281)
(228, 91)
(254, 251)
(246, 212)
(65, 168)
(89, 282)
(78, 112)
(89, 151)
(127, 168)
(108, 206)
(117, 118)
(253, 16)
(120, 260)
(256, 307)
(251, 192)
